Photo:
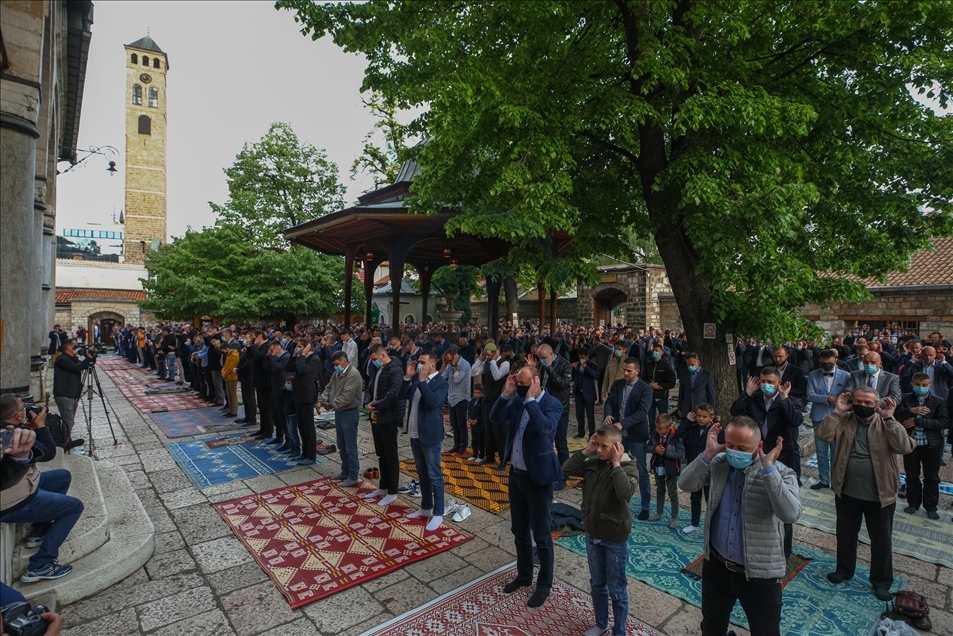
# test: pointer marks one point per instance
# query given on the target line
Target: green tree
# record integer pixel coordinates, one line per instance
(769, 149)
(279, 182)
(382, 162)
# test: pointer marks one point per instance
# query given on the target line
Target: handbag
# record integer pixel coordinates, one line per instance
(910, 607)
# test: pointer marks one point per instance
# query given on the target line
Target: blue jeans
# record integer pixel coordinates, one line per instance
(607, 579)
(825, 451)
(345, 425)
(530, 506)
(292, 438)
(637, 450)
(427, 459)
(53, 514)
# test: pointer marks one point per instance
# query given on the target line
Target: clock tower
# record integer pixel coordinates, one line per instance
(145, 170)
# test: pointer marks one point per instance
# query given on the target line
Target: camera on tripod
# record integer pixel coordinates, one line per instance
(91, 350)
(20, 619)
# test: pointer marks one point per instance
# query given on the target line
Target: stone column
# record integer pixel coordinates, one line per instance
(38, 278)
(49, 241)
(18, 244)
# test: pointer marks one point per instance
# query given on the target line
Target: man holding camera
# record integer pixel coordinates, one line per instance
(68, 384)
(29, 496)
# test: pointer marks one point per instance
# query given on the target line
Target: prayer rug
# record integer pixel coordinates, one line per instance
(480, 608)
(658, 556)
(913, 535)
(795, 564)
(482, 486)
(190, 422)
(164, 388)
(163, 403)
(946, 488)
(226, 458)
(316, 539)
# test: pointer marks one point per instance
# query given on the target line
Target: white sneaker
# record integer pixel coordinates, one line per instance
(689, 529)
(473, 459)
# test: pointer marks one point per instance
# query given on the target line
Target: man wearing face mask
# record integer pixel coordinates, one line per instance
(865, 479)
(696, 386)
(751, 496)
(926, 417)
(382, 400)
(556, 375)
(824, 386)
(342, 395)
(613, 369)
(872, 375)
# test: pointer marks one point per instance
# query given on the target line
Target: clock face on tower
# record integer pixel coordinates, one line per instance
(145, 78)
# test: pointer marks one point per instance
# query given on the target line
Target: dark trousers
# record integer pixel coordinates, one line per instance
(585, 411)
(562, 443)
(309, 436)
(248, 399)
(927, 492)
(759, 598)
(278, 416)
(495, 433)
(458, 425)
(657, 406)
(186, 370)
(850, 512)
(530, 504)
(385, 446)
(264, 407)
(479, 441)
(697, 505)
(209, 386)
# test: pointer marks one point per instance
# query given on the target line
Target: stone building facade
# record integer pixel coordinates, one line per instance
(625, 293)
(45, 45)
(145, 168)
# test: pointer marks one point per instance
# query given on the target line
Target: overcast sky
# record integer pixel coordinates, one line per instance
(235, 67)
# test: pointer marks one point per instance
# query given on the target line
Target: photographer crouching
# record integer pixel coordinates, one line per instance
(32, 497)
(68, 385)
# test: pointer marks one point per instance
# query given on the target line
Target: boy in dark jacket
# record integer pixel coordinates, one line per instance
(609, 481)
(477, 425)
(693, 432)
(925, 417)
(667, 455)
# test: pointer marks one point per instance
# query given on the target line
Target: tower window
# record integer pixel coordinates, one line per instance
(153, 98)
(155, 62)
(145, 125)
(135, 58)
(145, 60)
(136, 94)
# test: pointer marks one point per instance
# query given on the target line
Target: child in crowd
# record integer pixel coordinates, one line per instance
(292, 443)
(475, 420)
(667, 454)
(693, 432)
(609, 481)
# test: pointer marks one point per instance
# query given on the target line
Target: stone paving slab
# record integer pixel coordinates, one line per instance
(202, 581)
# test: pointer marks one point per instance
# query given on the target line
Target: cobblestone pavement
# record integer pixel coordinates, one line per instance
(202, 581)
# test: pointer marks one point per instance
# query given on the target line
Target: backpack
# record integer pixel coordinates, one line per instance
(58, 429)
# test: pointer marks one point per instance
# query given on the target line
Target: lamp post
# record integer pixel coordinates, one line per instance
(106, 151)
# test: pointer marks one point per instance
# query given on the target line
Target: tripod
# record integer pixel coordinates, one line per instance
(89, 378)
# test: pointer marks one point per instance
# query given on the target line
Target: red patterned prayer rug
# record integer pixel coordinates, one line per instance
(316, 539)
(481, 608)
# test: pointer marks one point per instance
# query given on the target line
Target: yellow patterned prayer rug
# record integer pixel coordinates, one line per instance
(483, 486)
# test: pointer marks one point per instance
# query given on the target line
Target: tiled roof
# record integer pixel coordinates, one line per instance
(926, 268)
(66, 296)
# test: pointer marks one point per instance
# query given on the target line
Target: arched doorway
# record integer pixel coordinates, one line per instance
(605, 301)
(105, 320)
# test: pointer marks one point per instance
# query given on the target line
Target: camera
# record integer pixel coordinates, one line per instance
(20, 619)
(91, 350)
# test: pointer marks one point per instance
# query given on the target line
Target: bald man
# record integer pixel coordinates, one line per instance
(872, 375)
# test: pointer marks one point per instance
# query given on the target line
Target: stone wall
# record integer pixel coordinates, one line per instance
(930, 307)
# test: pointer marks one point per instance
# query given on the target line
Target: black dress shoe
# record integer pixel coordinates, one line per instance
(73, 444)
(819, 486)
(644, 515)
(241, 421)
(836, 577)
(277, 440)
(580, 436)
(284, 448)
(882, 594)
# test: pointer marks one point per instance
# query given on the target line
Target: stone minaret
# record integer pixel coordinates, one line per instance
(145, 210)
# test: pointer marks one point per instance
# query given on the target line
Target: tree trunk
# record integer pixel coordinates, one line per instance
(512, 297)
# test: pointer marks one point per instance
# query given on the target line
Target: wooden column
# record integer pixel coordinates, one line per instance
(369, 270)
(348, 282)
(426, 274)
(396, 278)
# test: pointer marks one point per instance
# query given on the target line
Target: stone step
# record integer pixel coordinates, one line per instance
(130, 544)
(92, 529)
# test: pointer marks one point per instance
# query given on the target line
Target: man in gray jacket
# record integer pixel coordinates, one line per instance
(343, 395)
(751, 497)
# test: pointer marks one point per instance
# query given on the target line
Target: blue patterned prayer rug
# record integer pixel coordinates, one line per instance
(658, 556)
(216, 460)
(191, 422)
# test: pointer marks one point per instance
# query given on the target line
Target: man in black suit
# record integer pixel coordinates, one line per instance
(790, 374)
(767, 401)
(262, 381)
(627, 408)
(276, 363)
(696, 386)
(246, 377)
(306, 365)
(557, 380)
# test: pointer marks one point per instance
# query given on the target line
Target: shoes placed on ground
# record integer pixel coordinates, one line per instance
(372, 473)
(51, 571)
(413, 484)
(910, 510)
(73, 444)
(643, 516)
(836, 577)
(514, 585)
(689, 529)
(34, 541)
(537, 599)
(933, 514)
(882, 594)
(449, 433)
(414, 491)
(327, 450)
(819, 486)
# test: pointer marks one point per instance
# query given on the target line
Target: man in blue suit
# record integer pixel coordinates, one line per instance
(824, 386)
(531, 416)
(427, 391)
(628, 410)
(585, 375)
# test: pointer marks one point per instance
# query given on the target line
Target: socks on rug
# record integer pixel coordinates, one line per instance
(513, 585)
(596, 631)
(388, 500)
(434, 523)
(420, 514)
(380, 492)
(538, 598)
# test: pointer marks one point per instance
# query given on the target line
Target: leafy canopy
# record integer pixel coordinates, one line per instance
(756, 143)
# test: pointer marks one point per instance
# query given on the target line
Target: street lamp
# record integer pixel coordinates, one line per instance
(106, 151)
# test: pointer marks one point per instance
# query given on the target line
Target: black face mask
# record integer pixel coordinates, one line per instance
(827, 366)
(522, 391)
(863, 412)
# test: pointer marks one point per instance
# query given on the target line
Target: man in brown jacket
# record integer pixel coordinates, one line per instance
(865, 479)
